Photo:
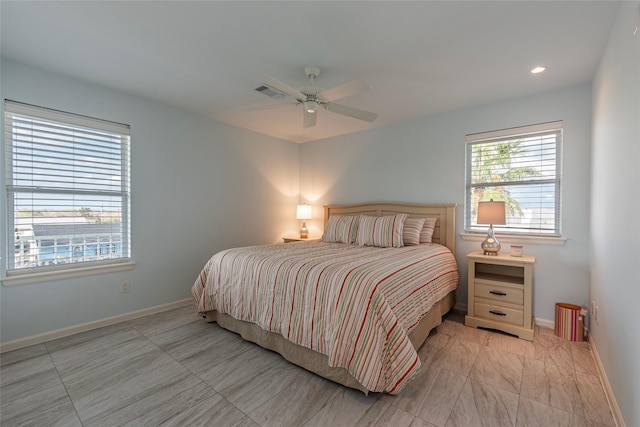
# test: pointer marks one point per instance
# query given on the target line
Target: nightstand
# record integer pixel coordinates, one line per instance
(500, 293)
(290, 239)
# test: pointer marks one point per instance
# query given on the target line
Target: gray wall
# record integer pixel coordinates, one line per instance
(424, 161)
(615, 203)
(195, 188)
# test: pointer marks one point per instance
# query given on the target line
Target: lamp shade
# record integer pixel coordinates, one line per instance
(303, 212)
(491, 213)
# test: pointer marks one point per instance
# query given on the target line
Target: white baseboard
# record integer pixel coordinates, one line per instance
(65, 332)
(608, 391)
(545, 323)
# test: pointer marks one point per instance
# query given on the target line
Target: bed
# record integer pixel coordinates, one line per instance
(350, 312)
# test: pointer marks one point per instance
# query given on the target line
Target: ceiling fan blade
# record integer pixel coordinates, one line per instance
(356, 113)
(309, 119)
(345, 89)
(277, 84)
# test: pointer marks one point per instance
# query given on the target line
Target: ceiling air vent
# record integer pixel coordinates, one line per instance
(271, 92)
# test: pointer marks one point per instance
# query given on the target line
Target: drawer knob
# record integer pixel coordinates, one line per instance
(502, 294)
(497, 313)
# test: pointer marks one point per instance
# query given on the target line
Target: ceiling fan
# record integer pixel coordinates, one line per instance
(312, 97)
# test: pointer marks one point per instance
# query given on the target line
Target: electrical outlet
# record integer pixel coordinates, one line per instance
(125, 286)
(593, 310)
(595, 315)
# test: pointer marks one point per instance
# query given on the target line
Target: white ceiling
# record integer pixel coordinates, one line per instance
(420, 58)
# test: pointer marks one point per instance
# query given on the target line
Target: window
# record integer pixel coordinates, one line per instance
(521, 167)
(67, 189)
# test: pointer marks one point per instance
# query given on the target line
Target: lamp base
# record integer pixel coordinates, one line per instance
(304, 233)
(490, 245)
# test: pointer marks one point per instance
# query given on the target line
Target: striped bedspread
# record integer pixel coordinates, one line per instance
(354, 304)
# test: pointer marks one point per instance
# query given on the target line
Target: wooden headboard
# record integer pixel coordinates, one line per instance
(444, 233)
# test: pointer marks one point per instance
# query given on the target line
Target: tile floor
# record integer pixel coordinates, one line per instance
(174, 369)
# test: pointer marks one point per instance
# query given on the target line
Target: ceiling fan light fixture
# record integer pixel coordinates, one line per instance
(538, 69)
(310, 106)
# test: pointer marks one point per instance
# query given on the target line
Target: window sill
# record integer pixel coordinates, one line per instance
(50, 276)
(509, 238)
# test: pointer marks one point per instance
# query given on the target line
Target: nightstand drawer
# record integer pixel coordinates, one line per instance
(500, 293)
(499, 313)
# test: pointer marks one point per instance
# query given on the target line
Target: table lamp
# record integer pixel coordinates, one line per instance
(491, 213)
(303, 212)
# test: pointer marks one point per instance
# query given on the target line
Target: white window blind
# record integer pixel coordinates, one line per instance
(68, 193)
(521, 167)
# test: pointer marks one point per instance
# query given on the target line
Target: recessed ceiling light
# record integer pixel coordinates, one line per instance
(538, 69)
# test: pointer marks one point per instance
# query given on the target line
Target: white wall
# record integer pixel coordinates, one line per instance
(197, 187)
(424, 161)
(615, 203)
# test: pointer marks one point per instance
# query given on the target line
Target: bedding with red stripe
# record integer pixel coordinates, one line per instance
(354, 304)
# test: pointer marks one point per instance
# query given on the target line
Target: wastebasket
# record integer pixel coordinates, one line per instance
(570, 321)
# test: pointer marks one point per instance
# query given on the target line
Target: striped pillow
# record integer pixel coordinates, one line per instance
(427, 230)
(381, 231)
(341, 229)
(412, 230)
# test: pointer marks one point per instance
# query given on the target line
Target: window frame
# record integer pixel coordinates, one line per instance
(511, 134)
(21, 275)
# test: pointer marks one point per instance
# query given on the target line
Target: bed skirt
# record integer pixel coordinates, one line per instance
(317, 362)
